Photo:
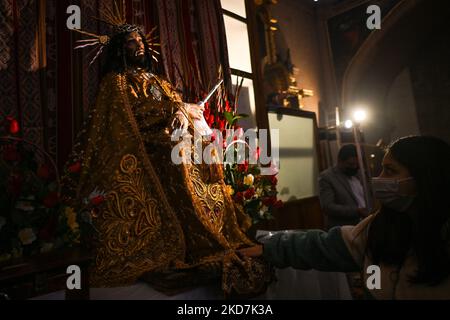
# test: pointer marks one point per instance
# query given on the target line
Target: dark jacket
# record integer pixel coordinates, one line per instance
(344, 249)
(337, 199)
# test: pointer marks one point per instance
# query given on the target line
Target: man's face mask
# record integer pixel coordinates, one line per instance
(388, 191)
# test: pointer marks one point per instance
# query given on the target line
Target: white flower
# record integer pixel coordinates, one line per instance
(27, 236)
(263, 211)
(259, 191)
(249, 180)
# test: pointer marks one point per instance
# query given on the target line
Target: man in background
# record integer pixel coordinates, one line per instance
(341, 192)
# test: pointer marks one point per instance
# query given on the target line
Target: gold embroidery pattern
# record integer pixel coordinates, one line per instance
(212, 200)
(131, 221)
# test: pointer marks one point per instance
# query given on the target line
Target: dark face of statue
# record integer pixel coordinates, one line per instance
(135, 49)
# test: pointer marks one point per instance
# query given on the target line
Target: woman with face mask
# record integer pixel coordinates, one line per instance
(408, 239)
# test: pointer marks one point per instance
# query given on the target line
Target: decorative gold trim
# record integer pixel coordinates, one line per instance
(122, 84)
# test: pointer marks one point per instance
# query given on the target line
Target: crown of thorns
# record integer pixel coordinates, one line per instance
(115, 18)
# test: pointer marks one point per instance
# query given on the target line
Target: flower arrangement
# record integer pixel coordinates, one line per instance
(255, 192)
(33, 219)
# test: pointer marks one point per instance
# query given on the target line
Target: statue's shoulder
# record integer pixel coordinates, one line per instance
(162, 81)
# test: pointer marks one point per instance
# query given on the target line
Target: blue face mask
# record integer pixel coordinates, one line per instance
(388, 192)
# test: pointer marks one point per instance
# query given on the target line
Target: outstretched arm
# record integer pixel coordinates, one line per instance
(314, 249)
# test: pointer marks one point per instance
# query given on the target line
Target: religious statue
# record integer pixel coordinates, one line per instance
(172, 224)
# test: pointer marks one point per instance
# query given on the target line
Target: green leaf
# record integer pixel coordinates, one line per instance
(228, 117)
(233, 182)
(240, 116)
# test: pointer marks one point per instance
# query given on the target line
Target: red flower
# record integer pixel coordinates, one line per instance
(43, 172)
(221, 124)
(273, 180)
(227, 106)
(51, 200)
(211, 120)
(249, 193)
(243, 167)
(13, 125)
(11, 154)
(98, 200)
(75, 168)
(206, 113)
(270, 201)
(239, 197)
(215, 136)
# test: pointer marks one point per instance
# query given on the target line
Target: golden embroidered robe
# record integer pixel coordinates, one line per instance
(158, 216)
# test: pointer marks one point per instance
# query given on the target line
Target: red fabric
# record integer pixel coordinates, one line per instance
(193, 42)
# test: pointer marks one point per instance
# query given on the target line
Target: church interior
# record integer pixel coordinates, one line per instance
(93, 205)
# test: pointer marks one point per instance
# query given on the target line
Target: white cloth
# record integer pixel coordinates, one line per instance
(291, 284)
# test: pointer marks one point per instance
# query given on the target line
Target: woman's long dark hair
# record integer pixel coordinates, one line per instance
(393, 235)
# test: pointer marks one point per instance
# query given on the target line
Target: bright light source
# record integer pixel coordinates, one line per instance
(360, 115)
(348, 124)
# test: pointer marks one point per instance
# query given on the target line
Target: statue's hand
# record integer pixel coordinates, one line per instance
(195, 111)
(180, 121)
